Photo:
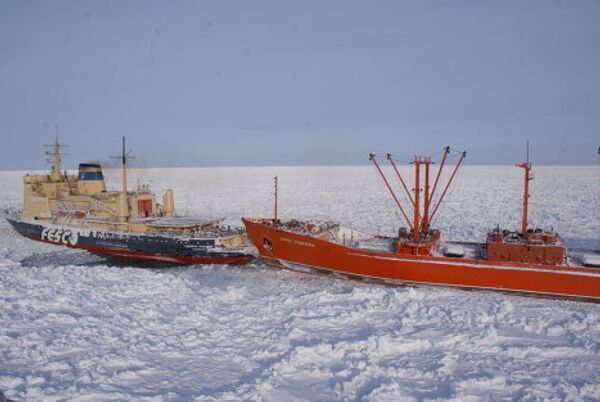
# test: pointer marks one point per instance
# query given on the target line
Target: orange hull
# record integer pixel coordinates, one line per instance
(295, 248)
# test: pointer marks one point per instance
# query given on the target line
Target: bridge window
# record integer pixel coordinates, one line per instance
(90, 176)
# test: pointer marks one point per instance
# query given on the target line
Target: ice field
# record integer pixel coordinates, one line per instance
(78, 327)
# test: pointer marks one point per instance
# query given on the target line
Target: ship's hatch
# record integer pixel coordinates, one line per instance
(453, 250)
(591, 260)
(144, 208)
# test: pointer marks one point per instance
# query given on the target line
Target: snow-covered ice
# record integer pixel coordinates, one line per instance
(78, 327)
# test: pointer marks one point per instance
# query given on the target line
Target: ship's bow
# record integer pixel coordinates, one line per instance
(259, 232)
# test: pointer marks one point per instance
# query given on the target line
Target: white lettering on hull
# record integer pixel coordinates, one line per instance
(57, 235)
(297, 242)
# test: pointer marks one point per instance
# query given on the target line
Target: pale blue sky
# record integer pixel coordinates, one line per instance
(299, 82)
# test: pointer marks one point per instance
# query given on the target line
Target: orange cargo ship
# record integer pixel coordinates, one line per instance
(531, 261)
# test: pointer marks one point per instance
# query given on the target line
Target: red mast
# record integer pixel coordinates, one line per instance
(527, 167)
(425, 221)
(275, 207)
(417, 199)
(420, 223)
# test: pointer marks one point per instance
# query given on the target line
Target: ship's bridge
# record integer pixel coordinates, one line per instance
(90, 179)
(90, 171)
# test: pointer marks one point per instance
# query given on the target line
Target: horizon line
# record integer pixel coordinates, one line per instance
(285, 166)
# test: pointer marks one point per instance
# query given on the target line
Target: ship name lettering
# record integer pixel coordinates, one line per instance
(298, 242)
(303, 243)
(60, 236)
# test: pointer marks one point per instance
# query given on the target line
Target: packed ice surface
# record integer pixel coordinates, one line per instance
(78, 327)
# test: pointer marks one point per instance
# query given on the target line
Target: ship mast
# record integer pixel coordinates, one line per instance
(124, 158)
(55, 174)
(124, 162)
(425, 220)
(275, 206)
(420, 223)
(417, 199)
(122, 202)
(526, 166)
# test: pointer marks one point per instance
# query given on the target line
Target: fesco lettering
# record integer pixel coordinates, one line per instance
(57, 235)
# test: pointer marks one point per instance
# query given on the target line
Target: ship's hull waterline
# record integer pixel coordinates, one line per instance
(293, 248)
(139, 247)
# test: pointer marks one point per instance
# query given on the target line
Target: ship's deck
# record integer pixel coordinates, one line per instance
(175, 222)
(171, 226)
